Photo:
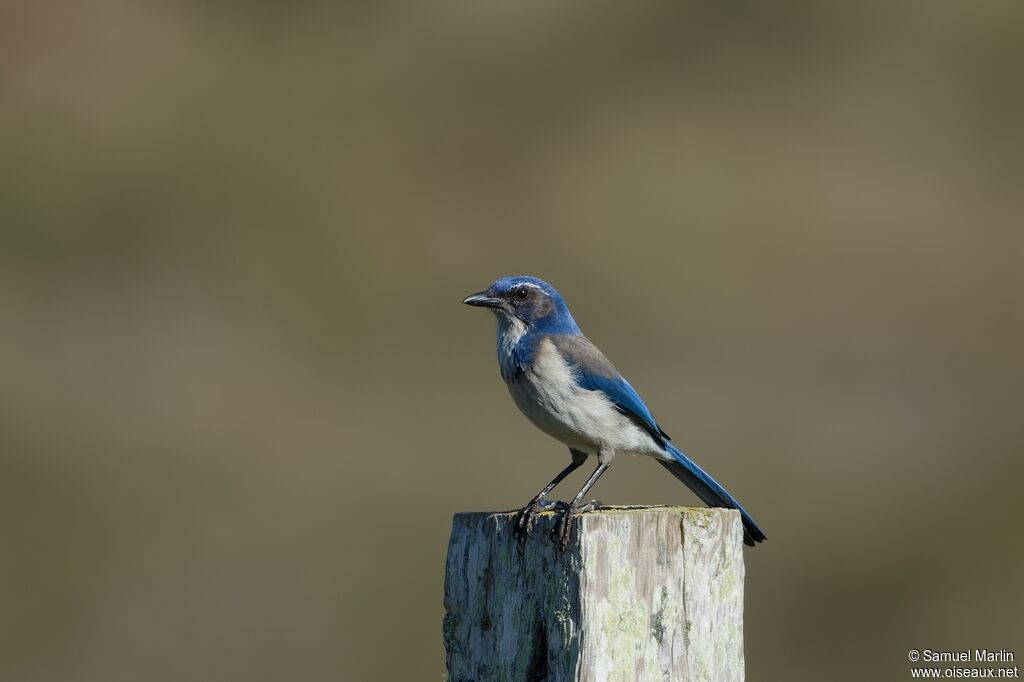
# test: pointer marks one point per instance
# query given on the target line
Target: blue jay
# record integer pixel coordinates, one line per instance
(569, 390)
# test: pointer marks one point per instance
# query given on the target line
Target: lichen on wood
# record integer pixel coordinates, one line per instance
(642, 593)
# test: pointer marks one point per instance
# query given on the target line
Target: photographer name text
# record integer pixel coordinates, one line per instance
(964, 656)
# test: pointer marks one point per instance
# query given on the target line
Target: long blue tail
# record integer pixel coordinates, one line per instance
(708, 489)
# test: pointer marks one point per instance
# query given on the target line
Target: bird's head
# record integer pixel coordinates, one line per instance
(527, 300)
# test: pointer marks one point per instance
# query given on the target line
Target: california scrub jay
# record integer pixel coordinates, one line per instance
(569, 390)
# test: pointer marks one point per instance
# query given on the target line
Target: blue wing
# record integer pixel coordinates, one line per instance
(593, 371)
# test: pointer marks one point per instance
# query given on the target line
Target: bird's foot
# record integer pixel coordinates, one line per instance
(563, 529)
(527, 515)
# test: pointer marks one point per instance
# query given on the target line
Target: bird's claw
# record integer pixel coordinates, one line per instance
(563, 529)
(526, 516)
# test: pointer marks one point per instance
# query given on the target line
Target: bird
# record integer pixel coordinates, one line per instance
(569, 390)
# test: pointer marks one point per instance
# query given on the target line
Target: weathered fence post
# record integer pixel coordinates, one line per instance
(642, 593)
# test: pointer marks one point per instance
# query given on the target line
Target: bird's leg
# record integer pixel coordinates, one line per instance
(524, 518)
(564, 526)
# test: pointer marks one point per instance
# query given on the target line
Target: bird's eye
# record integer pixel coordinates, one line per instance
(522, 293)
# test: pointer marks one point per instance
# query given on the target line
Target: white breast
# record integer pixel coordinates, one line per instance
(584, 420)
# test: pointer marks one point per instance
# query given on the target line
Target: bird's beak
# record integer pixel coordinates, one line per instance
(482, 299)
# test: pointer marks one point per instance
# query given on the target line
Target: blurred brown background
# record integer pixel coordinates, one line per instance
(240, 398)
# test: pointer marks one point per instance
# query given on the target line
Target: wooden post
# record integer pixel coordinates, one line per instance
(642, 593)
